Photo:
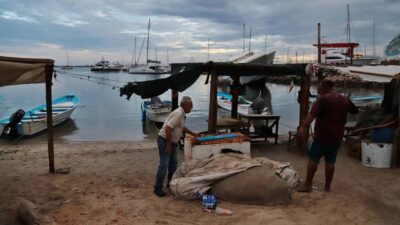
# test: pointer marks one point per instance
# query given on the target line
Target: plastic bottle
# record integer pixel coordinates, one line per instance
(251, 129)
(223, 211)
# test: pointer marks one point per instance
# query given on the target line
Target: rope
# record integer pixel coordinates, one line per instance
(87, 78)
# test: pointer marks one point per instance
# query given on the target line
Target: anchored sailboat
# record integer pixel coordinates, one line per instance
(68, 66)
(151, 66)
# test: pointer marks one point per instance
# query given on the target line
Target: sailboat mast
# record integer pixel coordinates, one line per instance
(250, 40)
(244, 37)
(148, 40)
(155, 49)
(133, 52)
(373, 40)
(136, 61)
(208, 49)
(348, 25)
(167, 57)
(67, 60)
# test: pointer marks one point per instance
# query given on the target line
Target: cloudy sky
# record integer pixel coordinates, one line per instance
(91, 29)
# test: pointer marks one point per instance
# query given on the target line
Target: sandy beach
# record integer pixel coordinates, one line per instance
(111, 183)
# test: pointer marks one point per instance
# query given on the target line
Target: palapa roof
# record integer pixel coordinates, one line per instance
(22, 70)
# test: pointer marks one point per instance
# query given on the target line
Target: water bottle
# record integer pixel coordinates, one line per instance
(251, 129)
(223, 211)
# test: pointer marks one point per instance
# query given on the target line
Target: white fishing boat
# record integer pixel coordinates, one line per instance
(156, 110)
(35, 119)
(244, 106)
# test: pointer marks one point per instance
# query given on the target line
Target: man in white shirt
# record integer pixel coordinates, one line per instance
(167, 140)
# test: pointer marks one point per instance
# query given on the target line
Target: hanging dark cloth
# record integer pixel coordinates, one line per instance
(179, 82)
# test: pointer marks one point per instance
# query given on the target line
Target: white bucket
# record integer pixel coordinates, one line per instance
(376, 155)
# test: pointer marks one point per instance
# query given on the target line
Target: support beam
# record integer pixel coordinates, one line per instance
(319, 42)
(174, 99)
(304, 95)
(49, 108)
(212, 115)
(235, 96)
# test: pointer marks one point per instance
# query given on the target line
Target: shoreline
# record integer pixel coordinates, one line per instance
(111, 182)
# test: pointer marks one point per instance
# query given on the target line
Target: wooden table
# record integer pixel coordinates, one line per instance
(271, 126)
(230, 123)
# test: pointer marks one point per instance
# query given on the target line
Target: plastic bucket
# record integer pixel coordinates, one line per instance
(376, 155)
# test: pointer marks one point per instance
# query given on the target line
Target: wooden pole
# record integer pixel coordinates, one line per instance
(49, 109)
(212, 115)
(174, 99)
(319, 42)
(351, 55)
(304, 104)
(235, 96)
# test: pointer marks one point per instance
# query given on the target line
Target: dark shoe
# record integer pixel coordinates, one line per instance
(160, 193)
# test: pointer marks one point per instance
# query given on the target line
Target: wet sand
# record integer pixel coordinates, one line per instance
(111, 183)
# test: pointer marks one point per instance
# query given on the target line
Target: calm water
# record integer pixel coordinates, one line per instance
(104, 115)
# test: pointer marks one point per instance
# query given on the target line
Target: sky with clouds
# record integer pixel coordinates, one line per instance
(91, 29)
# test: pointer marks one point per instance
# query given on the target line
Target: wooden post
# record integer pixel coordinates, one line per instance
(304, 101)
(319, 42)
(351, 55)
(235, 96)
(212, 112)
(174, 99)
(49, 109)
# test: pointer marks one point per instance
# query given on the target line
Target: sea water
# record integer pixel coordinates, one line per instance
(104, 115)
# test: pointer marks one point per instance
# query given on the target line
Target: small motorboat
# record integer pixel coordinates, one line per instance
(244, 106)
(156, 110)
(35, 119)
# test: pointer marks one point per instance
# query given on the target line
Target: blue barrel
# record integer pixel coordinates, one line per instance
(382, 135)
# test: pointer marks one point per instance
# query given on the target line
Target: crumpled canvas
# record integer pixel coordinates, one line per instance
(197, 176)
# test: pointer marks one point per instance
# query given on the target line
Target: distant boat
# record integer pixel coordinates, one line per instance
(336, 58)
(106, 66)
(361, 101)
(244, 106)
(152, 68)
(67, 67)
(35, 119)
(156, 110)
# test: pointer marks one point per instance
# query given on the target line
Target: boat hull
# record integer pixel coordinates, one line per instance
(225, 102)
(35, 120)
(156, 114)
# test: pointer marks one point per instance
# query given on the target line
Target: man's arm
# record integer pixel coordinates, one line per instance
(305, 125)
(186, 130)
(352, 108)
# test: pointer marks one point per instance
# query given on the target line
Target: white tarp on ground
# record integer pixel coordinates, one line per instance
(22, 70)
(197, 176)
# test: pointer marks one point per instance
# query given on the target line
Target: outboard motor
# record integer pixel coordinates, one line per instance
(258, 105)
(11, 128)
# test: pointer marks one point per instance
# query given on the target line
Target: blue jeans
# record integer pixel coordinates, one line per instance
(168, 161)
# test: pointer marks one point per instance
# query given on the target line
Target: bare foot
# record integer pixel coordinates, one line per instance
(304, 188)
(327, 189)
